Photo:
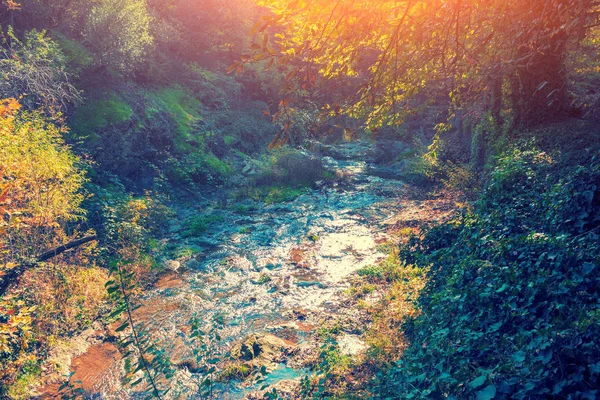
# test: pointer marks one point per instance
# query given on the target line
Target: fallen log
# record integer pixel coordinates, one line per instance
(13, 274)
(61, 249)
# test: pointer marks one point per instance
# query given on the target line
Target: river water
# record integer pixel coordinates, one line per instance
(264, 267)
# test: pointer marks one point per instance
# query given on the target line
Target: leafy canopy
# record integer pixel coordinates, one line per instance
(118, 32)
(398, 53)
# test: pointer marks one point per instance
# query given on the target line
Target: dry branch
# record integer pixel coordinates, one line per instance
(14, 273)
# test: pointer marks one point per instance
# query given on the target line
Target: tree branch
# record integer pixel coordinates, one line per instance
(61, 249)
(14, 273)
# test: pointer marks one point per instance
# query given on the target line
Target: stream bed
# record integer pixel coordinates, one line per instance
(267, 269)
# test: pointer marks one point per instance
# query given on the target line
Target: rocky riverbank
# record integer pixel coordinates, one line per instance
(265, 280)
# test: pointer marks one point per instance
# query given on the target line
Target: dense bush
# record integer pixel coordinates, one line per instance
(139, 134)
(34, 69)
(511, 306)
(43, 183)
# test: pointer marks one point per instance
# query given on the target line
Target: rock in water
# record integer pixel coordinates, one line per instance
(262, 350)
(173, 265)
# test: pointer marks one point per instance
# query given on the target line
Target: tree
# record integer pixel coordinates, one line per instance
(41, 178)
(118, 32)
(211, 31)
(398, 52)
(40, 191)
(34, 70)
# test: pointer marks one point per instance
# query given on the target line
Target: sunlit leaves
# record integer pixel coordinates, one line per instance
(119, 33)
(395, 50)
(41, 181)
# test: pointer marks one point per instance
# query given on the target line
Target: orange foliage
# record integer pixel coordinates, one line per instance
(9, 107)
(11, 5)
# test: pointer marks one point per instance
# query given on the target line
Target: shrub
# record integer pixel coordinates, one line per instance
(43, 181)
(510, 308)
(35, 68)
(198, 168)
(421, 170)
(214, 90)
(371, 271)
(275, 194)
(247, 123)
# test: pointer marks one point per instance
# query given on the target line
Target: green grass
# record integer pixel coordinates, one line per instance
(230, 140)
(199, 224)
(100, 113)
(76, 54)
(276, 194)
(182, 107)
(371, 271)
(217, 165)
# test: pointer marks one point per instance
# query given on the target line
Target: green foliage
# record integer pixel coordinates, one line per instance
(217, 165)
(214, 90)
(30, 372)
(96, 114)
(118, 32)
(235, 371)
(264, 278)
(141, 352)
(371, 271)
(230, 140)
(328, 374)
(129, 223)
(209, 353)
(290, 167)
(78, 57)
(422, 170)
(275, 194)
(435, 167)
(34, 70)
(197, 225)
(511, 304)
(198, 168)
(184, 109)
(245, 121)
